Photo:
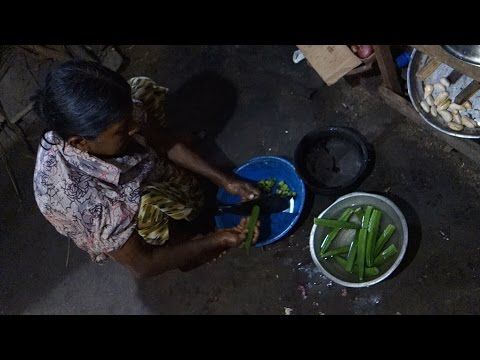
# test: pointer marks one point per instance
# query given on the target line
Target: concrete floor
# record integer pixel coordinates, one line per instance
(258, 102)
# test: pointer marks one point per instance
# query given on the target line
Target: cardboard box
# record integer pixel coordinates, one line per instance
(332, 62)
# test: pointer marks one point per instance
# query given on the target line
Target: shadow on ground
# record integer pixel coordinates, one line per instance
(33, 255)
(203, 105)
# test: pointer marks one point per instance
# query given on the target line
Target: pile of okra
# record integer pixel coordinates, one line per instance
(367, 250)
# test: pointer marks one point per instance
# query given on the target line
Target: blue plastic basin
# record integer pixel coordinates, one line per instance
(273, 226)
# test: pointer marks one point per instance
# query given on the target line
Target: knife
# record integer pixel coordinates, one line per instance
(271, 203)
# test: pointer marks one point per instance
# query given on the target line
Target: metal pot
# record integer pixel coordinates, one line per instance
(468, 53)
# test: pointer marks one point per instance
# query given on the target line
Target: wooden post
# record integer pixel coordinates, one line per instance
(387, 68)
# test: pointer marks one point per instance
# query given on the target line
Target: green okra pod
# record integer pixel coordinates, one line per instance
(385, 254)
(334, 232)
(373, 225)
(369, 271)
(338, 251)
(337, 224)
(352, 254)
(383, 239)
(366, 216)
(362, 243)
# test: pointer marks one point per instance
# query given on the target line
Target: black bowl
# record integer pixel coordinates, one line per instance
(334, 161)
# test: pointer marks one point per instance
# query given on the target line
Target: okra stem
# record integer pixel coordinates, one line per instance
(382, 240)
(359, 212)
(333, 233)
(337, 224)
(366, 216)
(362, 240)
(352, 254)
(337, 251)
(372, 235)
(388, 252)
(369, 271)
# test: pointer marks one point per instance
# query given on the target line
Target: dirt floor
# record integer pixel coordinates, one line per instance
(252, 101)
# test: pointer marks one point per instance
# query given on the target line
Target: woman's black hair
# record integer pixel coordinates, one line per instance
(82, 98)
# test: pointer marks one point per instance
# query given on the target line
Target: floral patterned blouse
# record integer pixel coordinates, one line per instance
(92, 201)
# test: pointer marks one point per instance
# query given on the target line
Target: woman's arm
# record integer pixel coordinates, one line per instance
(175, 148)
(181, 155)
(146, 260)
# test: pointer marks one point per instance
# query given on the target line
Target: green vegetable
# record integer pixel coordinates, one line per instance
(366, 217)
(336, 224)
(333, 234)
(283, 189)
(369, 271)
(382, 240)
(372, 235)
(338, 251)
(363, 255)
(388, 252)
(251, 226)
(352, 254)
(362, 243)
(267, 184)
(359, 212)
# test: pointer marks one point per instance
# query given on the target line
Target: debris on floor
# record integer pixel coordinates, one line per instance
(303, 292)
(444, 236)
(288, 311)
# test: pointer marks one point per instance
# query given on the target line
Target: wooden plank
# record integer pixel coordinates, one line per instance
(437, 52)
(467, 93)
(427, 69)
(387, 67)
(454, 76)
(467, 147)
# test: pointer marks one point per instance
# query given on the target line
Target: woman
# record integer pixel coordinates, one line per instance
(98, 182)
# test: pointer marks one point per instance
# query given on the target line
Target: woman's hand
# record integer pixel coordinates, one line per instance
(243, 189)
(234, 237)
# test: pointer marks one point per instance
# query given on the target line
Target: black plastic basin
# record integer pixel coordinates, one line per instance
(335, 160)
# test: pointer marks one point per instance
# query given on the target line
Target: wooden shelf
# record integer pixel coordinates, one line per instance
(469, 148)
(437, 52)
(393, 96)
